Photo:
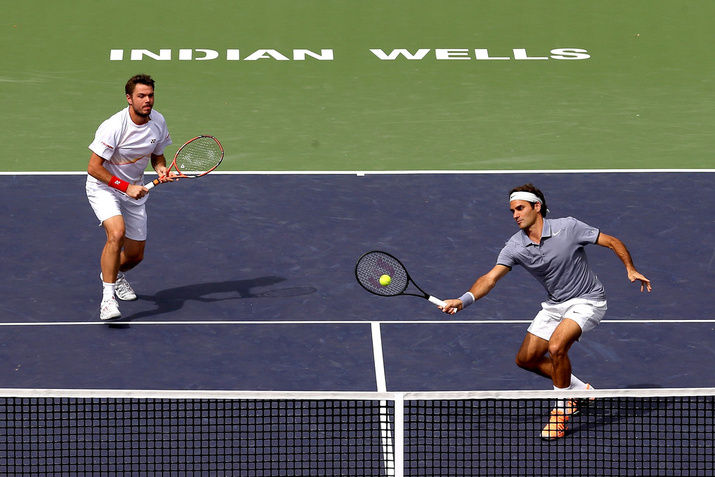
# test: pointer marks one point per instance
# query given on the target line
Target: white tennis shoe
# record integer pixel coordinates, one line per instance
(122, 288)
(109, 310)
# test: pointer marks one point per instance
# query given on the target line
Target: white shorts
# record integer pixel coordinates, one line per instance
(587, 313)
(107, 202)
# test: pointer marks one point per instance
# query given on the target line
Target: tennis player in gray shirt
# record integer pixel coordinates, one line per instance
(552, 250)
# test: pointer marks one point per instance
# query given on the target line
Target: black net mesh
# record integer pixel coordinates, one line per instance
(426, 436)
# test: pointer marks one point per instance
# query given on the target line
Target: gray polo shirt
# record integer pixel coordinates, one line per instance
(559, 262)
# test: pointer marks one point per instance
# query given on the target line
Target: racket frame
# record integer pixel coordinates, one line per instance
(181, 175)
(432, 299)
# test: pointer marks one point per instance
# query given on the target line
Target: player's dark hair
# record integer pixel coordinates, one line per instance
(530, 188)
(138, 79)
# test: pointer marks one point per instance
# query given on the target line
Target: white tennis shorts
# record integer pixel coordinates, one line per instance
(107, 202)
(587, 313)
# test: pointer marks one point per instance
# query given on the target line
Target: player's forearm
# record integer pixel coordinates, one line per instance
(102, 175)
(158, 163)
(486, 282)
(482, 287)
(479, 289)
(619, 248)
(96, 169)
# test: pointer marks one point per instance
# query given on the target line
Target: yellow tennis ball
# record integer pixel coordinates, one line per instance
(385, 280)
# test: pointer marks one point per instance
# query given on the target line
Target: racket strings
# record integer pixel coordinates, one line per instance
(375, 264)
(199, 156)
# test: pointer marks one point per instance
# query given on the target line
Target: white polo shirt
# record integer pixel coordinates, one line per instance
(127, 147)
(559, 262)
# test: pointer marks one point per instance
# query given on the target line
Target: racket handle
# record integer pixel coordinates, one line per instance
(437, 301)
(151, 184)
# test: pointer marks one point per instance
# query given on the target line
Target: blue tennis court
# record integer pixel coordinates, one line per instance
(249, 284)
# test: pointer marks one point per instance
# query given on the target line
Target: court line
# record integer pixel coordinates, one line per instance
(401, 172)
(380, 376)
(332, 322)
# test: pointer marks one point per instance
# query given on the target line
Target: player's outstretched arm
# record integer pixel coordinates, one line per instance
(479, 289)
(621, 251)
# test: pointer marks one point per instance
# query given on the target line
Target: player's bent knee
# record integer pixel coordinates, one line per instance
(557, 350)
(116, 238)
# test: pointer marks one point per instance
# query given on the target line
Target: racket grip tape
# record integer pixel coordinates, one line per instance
(152, 184)
(437, 301)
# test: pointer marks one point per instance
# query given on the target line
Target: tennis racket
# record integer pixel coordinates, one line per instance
(196, 158)
(373, 265)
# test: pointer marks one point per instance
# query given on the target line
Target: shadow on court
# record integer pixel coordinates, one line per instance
(173, 299)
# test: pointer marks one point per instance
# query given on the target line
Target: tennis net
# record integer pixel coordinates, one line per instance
(102, 432)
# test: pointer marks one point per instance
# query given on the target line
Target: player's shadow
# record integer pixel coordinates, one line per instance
(173, 299)
(610, 413)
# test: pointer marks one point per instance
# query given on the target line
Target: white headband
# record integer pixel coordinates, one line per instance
(527, 196)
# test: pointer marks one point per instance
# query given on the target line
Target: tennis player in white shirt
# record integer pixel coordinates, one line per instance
(123, 146)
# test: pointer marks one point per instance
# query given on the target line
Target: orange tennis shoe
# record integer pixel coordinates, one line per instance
(557, 426)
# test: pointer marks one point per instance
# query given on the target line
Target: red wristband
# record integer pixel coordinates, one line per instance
(118, 184)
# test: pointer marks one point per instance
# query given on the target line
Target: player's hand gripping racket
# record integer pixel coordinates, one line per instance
(196, 158)
(374, 268)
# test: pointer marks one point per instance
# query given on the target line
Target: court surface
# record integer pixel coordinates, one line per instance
(248, 284)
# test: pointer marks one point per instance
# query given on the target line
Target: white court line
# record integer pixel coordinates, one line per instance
(379, 359)
(363, 173)
(386, 434)
(413, 172)
(331, 322)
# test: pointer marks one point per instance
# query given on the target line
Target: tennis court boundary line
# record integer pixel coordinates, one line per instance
(332, 322)
(405, 172)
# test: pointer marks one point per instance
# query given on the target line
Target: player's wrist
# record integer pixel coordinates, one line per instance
(119, 184)
(467, 299)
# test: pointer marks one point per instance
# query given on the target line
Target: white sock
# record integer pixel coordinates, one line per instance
(577, 383)
(562, 405)
(108, 290)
